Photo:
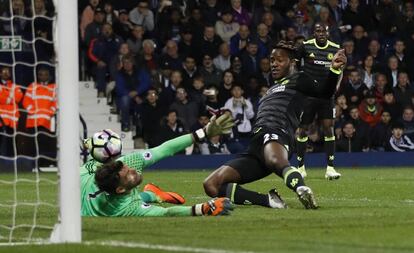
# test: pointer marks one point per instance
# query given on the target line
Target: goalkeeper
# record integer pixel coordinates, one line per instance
(110, 189)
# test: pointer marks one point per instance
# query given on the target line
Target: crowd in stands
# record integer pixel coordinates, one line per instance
(166, 66)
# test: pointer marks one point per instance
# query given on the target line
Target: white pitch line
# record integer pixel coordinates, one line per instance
(175, 248)
(136, 245)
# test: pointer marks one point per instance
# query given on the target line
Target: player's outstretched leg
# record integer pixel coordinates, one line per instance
(223, 183)
(169, 197)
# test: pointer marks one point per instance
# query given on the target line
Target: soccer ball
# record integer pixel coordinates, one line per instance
(105, 145)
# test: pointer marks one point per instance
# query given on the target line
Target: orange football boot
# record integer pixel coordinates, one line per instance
(169, 197)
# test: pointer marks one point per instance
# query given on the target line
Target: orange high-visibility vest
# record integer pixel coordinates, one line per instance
(40, 103)
(10, 96)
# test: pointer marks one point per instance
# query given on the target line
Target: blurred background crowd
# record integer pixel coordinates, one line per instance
(167, 66)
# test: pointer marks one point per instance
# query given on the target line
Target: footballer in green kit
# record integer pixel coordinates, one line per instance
(110, 189)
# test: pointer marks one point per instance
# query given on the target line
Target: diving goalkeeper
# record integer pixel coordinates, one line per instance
(110, 189)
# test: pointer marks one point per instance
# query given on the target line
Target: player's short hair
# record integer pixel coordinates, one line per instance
(289, 46)
(107, 176)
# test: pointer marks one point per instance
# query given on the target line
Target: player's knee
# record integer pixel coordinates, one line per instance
(210, 186)
(276, 163)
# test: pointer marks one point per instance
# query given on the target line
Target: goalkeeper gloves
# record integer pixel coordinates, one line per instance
(214, 207)
(216, 126)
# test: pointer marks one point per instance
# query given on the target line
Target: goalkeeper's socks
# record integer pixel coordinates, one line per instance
(293, 178)
(301, 150)
(329, 146)
(241, 196)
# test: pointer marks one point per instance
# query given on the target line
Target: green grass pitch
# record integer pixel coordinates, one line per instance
(367, 210)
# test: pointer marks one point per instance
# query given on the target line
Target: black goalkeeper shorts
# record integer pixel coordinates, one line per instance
(324, 108)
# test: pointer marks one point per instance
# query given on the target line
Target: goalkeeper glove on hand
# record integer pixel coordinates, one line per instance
(214, 207)
(220, 125)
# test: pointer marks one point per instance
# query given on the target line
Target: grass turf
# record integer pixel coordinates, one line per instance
(367, 210)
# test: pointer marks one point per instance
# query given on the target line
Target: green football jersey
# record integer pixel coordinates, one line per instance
(129, 204)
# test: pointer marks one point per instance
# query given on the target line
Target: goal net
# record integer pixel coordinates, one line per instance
(39, 102)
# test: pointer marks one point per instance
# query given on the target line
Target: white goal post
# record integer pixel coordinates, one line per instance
(69, 228)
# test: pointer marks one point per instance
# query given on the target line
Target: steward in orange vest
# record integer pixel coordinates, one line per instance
(10, 96)
(40, 102)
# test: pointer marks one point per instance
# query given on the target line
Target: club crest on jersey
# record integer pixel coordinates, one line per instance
(330, 56)
(147, 155)
(312, 55)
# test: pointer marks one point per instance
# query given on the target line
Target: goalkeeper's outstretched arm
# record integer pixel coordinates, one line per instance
(143, 159)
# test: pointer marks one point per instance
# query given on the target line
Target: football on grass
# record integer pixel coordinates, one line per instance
(105, 146)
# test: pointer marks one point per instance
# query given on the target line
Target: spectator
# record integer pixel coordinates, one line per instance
(110, 16)
(222, 61)
(264, 42)
(196, 92)
(367, 72)
(390, 105)
(214, 146)
(114, 67)
(151, 116)
(131, 86)
(240, 14)
(171, 128)
(169, 88)
(335, 12)
(399, 142)
(148, 59)
(356, 14)
(189, 71)
(360, 40)
(408, 121)
(381, 132)
(225, 87)
(187, 110)
(264, 76)
(226, 27)
(402, 91)
(186, 45)
(135, 41)
(169, 24)
(308, 11)
(40, 102)
(353, 59)
(261, 9)
(143, 16)
(242, 111)
(355, 89)
(387, 15)
(362, 128)
(342, 103)
(349, 142)
(213, 106)
(87, 16)
(236, 68)
(399, 52)
(202, 121)
(196, 23)
(250, 59)
(209, 72)
(10, 97)
(94, 29)
(101, 52)
(209, 44)
(171, 56)
(122, 26)
(380, 85)
(239, 41)
(302, 28)
(211, 10)
(272, 26)
(370, 110)
(374, 50)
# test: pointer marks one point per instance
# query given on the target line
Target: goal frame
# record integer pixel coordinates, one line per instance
(69, 227)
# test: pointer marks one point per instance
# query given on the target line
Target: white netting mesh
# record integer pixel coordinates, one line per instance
(28, 198)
